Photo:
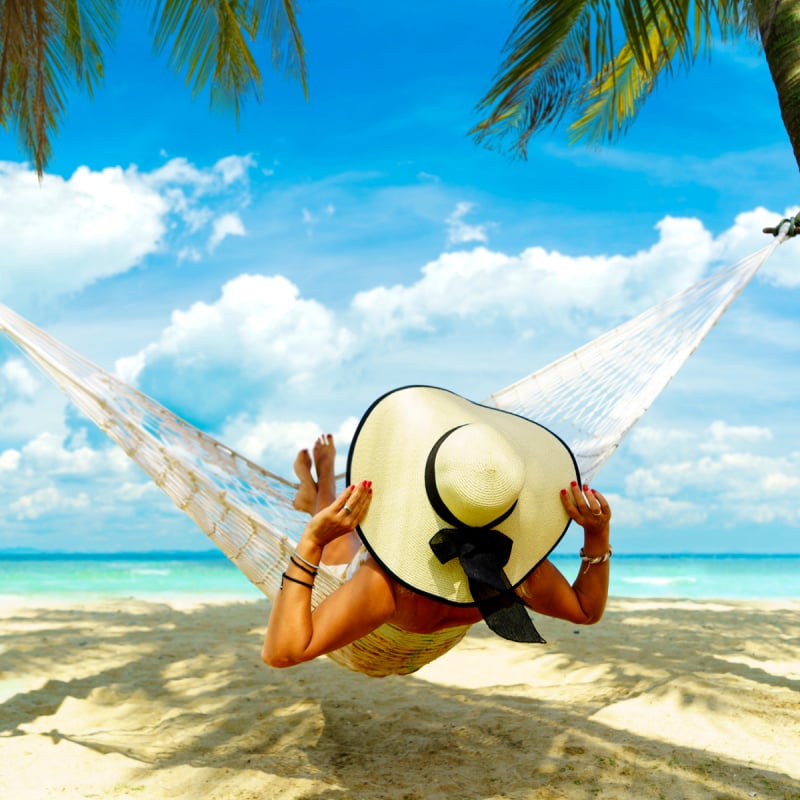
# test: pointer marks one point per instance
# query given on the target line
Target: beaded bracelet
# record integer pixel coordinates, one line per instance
(590, 560)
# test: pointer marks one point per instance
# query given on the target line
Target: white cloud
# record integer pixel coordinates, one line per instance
(234, 168)
(226, 225)
(724, 438)
(726, 470)
(266, 441)
(9, 460)
(259, 323)
(636, 512)
(97, 224)
(20, 379)
(63, 234)
(745, 236)
(458, 232)
(541, 284)
(48, 501)
(49, 454)
(659, 444)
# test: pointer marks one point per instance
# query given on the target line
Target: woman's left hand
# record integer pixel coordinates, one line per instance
(341, 516)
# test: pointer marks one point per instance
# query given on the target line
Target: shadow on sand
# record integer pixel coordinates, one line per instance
(168, 688)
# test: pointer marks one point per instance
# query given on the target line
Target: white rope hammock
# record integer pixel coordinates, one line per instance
(591, 397)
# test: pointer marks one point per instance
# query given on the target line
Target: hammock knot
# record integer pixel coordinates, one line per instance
(792, 227)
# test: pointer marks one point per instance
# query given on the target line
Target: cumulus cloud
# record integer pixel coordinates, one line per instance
(260, 323)
(49, 500)
(274, 443)
(226, 225)
(50, 454)
(9, 460)
(63, 234)
(745, 237)
(537, 282)
(18, 378)
(728, 470)
(459, 232)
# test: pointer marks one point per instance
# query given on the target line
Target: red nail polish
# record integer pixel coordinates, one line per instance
(585, 488)
(594, 491)
(574, 483)
(563, 491)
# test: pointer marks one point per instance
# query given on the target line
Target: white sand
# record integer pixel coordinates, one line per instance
(662, 699)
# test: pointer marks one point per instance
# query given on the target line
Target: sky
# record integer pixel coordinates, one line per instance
(267, 278)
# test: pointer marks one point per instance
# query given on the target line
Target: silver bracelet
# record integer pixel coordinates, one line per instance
(306, 562)
(590, 560)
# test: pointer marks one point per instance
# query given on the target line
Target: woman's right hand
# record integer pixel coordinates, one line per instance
(341, 516)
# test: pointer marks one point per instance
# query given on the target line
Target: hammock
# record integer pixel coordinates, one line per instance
(591, 398)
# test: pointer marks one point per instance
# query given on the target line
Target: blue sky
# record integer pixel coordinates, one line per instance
(240, 272)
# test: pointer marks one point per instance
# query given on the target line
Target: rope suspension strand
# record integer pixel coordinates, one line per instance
(792, 227)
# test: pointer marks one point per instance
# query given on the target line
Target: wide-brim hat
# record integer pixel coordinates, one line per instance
(445, 470)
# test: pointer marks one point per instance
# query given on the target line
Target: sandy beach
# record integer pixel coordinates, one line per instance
(663, 700)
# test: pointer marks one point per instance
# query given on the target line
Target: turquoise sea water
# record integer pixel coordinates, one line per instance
(147, 575)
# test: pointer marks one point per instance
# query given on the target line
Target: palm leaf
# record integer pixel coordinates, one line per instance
(44, 46)
(542, 79)
(546, 60)
(211, 40)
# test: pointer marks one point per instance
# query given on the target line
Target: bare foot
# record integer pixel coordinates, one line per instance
(341, 550)
(306, 497)
(324, 458)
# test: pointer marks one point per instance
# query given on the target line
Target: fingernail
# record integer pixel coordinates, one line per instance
(352, 486)
(585, 488)
(563, 491)
(594, 491)
(574, 483)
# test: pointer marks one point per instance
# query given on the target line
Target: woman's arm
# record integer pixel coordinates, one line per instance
(295, 633)
(547, 591)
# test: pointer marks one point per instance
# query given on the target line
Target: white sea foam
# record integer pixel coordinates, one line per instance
(660, 581)
(150, 571)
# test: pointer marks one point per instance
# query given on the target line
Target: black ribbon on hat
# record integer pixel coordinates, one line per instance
(482, 553)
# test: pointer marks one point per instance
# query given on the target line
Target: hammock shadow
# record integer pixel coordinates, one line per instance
(169, 689)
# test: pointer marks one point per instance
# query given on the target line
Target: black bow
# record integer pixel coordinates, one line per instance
(482, 553)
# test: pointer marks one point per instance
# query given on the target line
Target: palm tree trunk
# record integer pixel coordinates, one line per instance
(779, 25)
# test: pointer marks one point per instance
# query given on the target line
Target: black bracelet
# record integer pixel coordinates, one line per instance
(286, 577)
(311, 572)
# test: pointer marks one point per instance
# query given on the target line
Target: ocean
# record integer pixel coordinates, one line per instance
(86, 577)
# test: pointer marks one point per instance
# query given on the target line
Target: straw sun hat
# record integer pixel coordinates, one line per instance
(466, 499)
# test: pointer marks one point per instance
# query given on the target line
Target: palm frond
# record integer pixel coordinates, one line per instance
(278, 20)
(545, 63)
(667, 35)
(212, 42)
(45, 45)
(542, 79)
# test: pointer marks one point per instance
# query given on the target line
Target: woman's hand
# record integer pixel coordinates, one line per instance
(341, 516)
(588, 508)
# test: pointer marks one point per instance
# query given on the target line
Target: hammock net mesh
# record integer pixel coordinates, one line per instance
(591, 398)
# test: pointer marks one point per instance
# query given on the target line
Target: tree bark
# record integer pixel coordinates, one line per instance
(779, 24)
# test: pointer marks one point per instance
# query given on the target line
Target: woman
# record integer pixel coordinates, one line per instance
(505, 489)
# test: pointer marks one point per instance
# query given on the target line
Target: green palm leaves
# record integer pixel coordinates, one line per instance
(595, 61)
(48, 47)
